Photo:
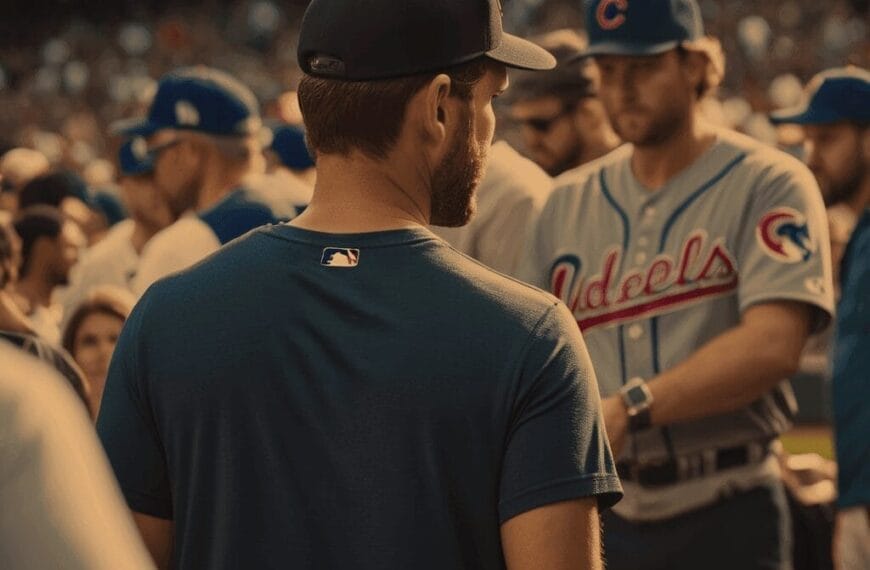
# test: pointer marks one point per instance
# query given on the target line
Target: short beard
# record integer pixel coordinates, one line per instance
(185, 200)
(660, 129)
(456, 178)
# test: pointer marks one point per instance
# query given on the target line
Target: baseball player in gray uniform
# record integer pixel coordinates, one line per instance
(696, 262)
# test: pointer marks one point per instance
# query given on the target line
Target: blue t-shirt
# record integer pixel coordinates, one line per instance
(851, 383)
(368, 401)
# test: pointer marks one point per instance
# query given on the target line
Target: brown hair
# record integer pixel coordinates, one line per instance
(107, 300)
(341, 116)
(715, 70)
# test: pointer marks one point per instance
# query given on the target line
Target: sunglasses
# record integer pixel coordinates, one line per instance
(543, 125)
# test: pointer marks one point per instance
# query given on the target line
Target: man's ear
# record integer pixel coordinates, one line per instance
(695, 67)
(431, 106)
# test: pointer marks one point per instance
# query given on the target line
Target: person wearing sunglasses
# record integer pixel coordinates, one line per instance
(115, 259)
(203, 137)
(562, 122)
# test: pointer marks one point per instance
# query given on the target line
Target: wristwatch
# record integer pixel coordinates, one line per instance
(638, 400)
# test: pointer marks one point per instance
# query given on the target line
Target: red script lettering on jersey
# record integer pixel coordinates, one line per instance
(704, 269)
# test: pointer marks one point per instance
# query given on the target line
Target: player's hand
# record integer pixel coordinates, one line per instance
(615, 422)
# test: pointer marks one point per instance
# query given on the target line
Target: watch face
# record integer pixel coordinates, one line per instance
(636, 396)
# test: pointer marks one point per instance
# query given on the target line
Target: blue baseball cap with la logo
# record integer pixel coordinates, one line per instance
(198, 99)
(836, 95)
(641, 27)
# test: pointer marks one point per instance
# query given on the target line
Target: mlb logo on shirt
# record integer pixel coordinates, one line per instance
(339, 257)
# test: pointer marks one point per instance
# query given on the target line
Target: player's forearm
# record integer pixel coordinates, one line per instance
(728, 373)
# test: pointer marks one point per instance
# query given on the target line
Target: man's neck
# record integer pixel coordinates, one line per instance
(655, 165)
(35, 290)
(354, 194)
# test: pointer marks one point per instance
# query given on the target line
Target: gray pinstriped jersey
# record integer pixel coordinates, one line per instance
(652, 276)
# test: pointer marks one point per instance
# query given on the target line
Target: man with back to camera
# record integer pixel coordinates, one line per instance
(203, 135)
(836, 122)
(366, 397)
(562, 120)
(563, 125)
(696, 262)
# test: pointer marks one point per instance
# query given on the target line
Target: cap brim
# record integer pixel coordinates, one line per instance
(522, 54)
(133, 127)
(621, 48)
(804, 115)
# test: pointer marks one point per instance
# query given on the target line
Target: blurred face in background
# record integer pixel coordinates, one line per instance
(648, 98)
(549, 132)
(145, 203)
(834, 153)
(93, 344)
(68, 244)
(178, 169)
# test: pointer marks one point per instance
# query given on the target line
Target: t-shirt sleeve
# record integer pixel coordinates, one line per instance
(785, 250)
(127, 427)
(557, 448)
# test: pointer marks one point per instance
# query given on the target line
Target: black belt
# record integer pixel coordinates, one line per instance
(693, 466)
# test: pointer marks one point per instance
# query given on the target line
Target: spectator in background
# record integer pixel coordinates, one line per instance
(562, 121)
(115, 260)
(50, 246)
(835, 116)
(12, 317)
(292, 153)
(18, 167)
(836, 121)
(91, 334)
(203, 133)
(66, 191)
(290, 171)
(61, 505)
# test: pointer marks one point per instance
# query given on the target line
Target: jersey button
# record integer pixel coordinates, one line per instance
(640, 258)
(635, 332)
(643, 241)
(649, 212)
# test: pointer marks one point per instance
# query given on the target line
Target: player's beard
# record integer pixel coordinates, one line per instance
(661, 125)
(456, 178)
(184, 199)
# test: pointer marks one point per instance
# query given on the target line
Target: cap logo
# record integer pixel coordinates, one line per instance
(611, 14)
(784, 234)
(339, 257)
(326, 65)
(186, 114)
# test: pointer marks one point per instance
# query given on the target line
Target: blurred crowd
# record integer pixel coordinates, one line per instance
(59, 94)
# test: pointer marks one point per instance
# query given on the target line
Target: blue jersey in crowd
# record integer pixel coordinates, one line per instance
(308, 400)
(852, 371)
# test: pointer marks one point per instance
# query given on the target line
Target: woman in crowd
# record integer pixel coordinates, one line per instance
(91, 334)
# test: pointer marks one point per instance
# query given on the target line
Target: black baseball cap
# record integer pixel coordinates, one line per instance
(360, 40)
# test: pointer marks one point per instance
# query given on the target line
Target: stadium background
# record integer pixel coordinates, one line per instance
(67, 69)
